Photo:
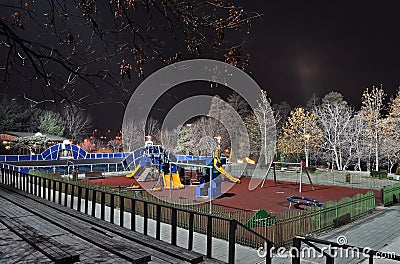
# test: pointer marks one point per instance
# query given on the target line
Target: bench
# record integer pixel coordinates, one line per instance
(94, 175)
(342, 220)
(49, 247)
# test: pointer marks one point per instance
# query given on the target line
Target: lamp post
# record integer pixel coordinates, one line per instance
(306, 139)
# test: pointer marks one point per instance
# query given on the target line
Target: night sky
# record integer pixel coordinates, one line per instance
(305, 47)
(301, 48)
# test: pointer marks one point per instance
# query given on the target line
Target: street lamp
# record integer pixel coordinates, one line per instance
(307, 138)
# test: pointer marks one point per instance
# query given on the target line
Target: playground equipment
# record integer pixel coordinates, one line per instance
(261, 218)
(217, 164)
(211, 185)
(134, 172)
(301, 200)
(176, 181)
(299, 167)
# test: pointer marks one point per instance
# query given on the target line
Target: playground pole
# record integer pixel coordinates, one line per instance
(170, 181)
(210, 187)
(301, 177)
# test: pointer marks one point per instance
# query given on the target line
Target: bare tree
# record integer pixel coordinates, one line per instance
(267, 124)
(63, 47)
(334, 119)
(133, 134)
(169, 138)
(153, 129)
(77, 122)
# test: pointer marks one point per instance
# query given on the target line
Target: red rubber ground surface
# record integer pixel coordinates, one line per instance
(273, 198)
(270, 198)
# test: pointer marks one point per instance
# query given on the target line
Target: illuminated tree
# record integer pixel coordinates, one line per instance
(300, 134)
(371, 110)
(390, 146)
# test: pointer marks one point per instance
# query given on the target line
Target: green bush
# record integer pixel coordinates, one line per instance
(398, 170)
(381, 174)
(311, 168)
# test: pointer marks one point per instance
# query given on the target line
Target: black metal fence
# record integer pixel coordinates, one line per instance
(69, 193)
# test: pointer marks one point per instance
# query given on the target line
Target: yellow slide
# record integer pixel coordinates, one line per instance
(130, 175)
(222, 171)
(176, 181)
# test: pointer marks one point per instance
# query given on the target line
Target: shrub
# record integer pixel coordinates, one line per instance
(382, 174)
(311, 168)
(398, 170)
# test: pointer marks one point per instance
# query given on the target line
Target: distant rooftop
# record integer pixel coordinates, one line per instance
(30, 134)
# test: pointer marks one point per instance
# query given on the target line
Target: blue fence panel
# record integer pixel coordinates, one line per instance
(12, 158)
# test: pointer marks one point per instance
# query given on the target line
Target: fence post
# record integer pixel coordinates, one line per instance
(79, 198)
(232, 235)
(19, 181)
(158, 221)
(329, 257)
(112, 208)
(53, 186)
(173, 226)
(133, 214)
(31, 184)
(145, 218)
(191, 223)
(72, 195)
(26, 181)
(103, 205)
(296, 250)
(86, 200)
(94, 202)
(268, 257)
(121, 210)
(60, 188)
(40, 187)
(209, 236)
(49, 189)
(35, 190)
(66, 186)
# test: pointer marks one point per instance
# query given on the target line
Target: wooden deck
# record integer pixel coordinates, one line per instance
(48, 232)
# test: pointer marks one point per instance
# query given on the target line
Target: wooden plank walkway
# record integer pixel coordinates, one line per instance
(102, 229)
(57, 252)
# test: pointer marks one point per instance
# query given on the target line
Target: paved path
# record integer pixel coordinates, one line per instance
(378, 231)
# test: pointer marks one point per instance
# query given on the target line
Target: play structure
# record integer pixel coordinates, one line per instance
(155, 170)
(288, 166)
(301, 200)
(210, 184)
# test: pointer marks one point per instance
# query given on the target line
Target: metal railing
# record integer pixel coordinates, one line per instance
(67, 193)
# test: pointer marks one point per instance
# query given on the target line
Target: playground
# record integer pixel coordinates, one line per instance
(271, 198)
